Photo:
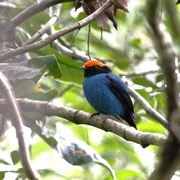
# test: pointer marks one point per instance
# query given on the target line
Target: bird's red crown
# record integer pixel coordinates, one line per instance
(92, 63)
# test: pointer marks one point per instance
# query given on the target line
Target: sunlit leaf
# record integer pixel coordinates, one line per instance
(2, 174)
(50, 174)
(128, 174)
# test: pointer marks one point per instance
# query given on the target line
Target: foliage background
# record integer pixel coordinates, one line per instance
(130, 53)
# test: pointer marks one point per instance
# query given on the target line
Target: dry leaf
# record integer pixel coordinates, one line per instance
(90, 6)
(121, 4)
(102, 21)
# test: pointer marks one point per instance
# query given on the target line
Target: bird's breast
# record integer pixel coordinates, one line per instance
(98, 94)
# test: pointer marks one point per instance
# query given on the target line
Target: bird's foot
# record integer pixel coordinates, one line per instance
(104, 120)
(94, 114)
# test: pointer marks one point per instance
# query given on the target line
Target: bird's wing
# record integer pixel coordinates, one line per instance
(120, 92)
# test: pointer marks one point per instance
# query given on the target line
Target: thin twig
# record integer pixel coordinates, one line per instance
(34, 9)
(147, 107)
(60, 33)
(88, 41)
(62, 47)
(74, 54)
(12, 107)
(46, 27)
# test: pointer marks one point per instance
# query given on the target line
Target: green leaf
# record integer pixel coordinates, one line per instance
(15, 157)
(136, 43)
(143, 81)
(129, 174)
(71, 70)
(149, 124)
(31, 90)
(48, 62)
(47, 174)
(3, 161)
(2, 174)
(38, 148)
(144, 94)
(159, 78)
(158, 100)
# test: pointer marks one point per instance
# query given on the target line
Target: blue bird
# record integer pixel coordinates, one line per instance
(106, 92)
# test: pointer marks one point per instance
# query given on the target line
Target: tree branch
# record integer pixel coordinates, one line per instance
(34, 9)
(147, 107)
(169, 160)
(17, 121)
(75, 54)
(80, 117)
(60, 33)
(46, 27)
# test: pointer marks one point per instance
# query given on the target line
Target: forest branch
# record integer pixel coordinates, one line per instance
(46, 27)
(17, 122)
(80, 117)
(51, 38)
(34, 9)
(170, 153)
(147, 107)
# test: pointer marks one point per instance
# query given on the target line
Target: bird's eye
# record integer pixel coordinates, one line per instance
(96, 67)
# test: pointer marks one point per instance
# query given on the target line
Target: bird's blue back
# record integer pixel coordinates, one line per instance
(98, 93)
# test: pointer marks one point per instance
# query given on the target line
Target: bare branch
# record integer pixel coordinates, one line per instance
(80, 117)
(34, 9)
(60, 33)
(46, 27)
(17, 121)
(147, 107)
(75, 54)
(169, 160)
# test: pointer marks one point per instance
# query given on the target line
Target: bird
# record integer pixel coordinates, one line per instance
(106, 92)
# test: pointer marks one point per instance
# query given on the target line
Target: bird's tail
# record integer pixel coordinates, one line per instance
(129, 118)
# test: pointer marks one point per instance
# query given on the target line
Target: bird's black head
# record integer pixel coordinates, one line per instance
(94, 67)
